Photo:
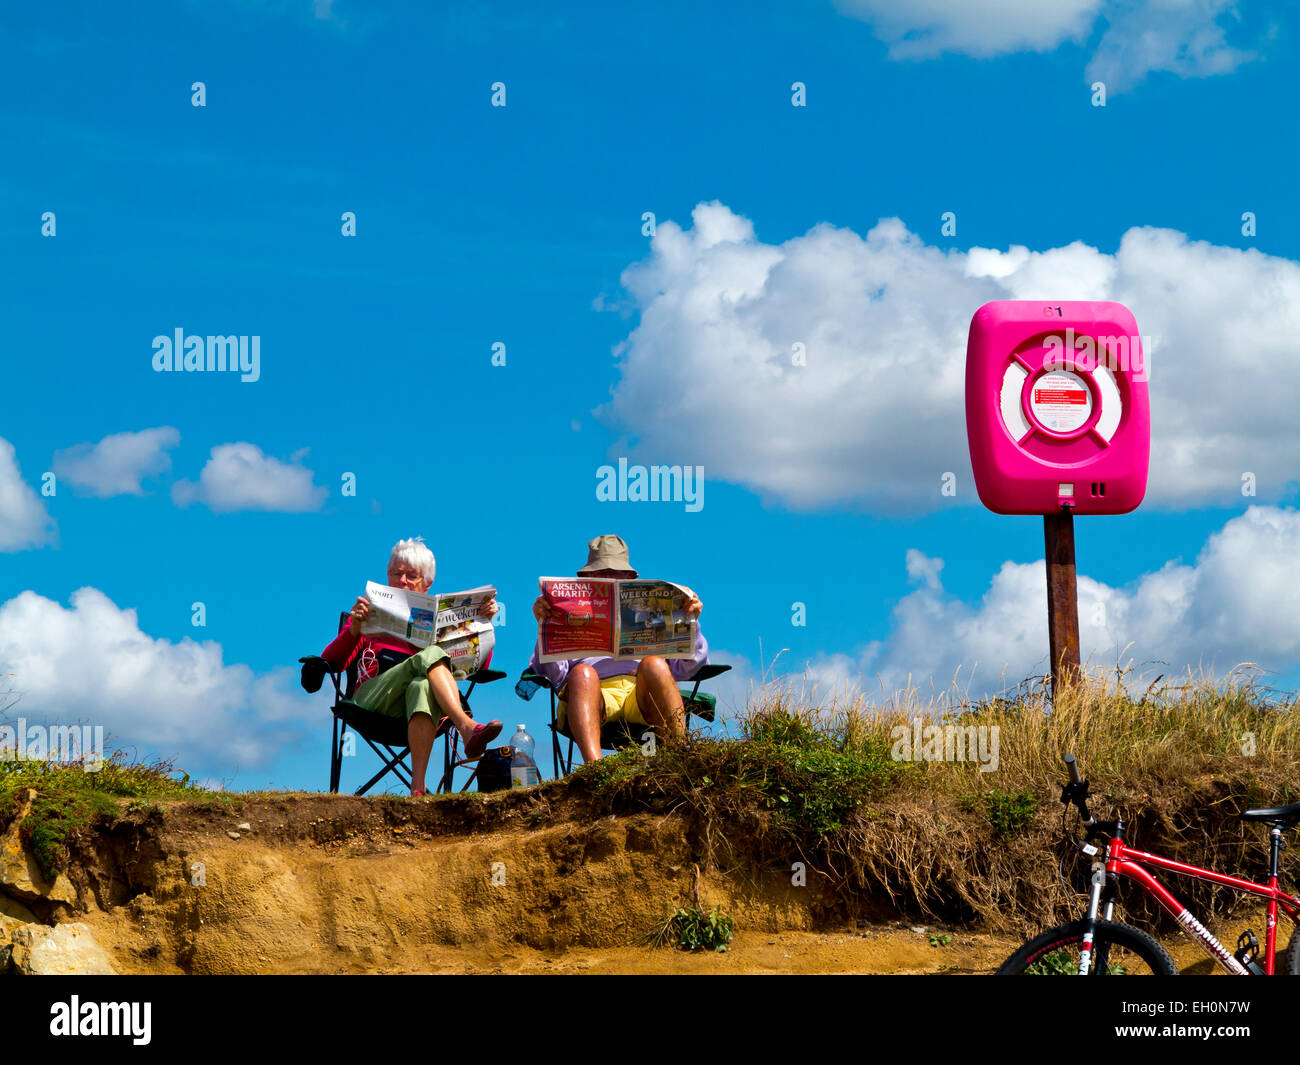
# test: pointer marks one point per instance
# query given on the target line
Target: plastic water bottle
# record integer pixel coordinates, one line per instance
(523, 770)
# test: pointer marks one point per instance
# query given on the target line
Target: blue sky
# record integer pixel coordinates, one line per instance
(523, 225)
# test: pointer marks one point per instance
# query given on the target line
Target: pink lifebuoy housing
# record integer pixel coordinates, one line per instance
(1057, 414)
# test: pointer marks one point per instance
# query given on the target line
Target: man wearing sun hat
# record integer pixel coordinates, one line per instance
(594, 691)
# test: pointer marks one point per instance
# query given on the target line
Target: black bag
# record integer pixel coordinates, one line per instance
(494, 770)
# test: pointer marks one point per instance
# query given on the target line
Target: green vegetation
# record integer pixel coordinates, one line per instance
(1063, 963)
(68, 797)
(818, 784)
(810, 781)
(693, 929)
(1007, 811)
(812, 798)
(813, 779)
(1058, 963)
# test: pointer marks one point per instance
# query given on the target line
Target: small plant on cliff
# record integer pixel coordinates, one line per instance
(814, 778)
(693, 929)
(1007, 811)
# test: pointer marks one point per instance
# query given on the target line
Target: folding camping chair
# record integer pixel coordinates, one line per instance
(616, 735)
(382, 730)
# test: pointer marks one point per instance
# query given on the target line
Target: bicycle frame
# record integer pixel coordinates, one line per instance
(1125, 861)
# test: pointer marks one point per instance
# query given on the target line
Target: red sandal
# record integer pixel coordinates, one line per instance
(480, 738)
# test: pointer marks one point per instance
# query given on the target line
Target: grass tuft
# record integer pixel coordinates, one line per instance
(694, 929)
(70, 798)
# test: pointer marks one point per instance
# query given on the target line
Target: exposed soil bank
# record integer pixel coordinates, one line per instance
(339, 884)
(511, 883)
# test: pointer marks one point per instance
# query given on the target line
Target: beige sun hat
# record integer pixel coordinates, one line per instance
(606, 552)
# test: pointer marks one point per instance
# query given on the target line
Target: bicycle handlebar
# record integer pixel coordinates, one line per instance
(1076, 791)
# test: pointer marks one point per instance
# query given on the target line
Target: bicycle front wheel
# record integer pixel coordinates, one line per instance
(1118, 950)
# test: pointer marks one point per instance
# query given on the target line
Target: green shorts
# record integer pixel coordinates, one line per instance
(403, 689)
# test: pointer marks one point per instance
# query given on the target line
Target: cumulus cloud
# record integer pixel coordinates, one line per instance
(118, 463)
(921, 29)
(1184, 37)
(831, 368)
(90, 663)
(24, 521)
(1239, 602)
(240, 477)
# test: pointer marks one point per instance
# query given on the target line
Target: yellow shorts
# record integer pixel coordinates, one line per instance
(619, 694)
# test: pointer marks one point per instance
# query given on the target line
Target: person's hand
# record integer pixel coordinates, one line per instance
(541, 608)
(360, 611)
(693, 606)
(489, 608)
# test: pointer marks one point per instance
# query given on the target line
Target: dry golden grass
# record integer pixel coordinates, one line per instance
(1175, 730)
(943, 839)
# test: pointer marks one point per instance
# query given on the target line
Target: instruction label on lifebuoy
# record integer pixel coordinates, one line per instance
(1060, 401)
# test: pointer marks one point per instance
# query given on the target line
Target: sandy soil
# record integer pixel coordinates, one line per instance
(335, 884)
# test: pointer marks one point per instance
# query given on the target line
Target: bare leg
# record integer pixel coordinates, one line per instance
(658, 698)
(420, 734)
(422, 729)
(586, 710)
(447, 696)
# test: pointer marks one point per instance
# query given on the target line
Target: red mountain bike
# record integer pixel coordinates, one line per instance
(1093, 947)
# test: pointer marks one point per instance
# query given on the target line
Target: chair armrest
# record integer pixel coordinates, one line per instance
(486, 676)
(708, 671)
(703, 705)
(314, 671)
(528, 683)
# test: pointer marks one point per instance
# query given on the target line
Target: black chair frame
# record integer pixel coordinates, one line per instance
(385, 735)
(615, 736)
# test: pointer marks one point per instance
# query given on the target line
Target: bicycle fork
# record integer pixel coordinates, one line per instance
(1102, 894)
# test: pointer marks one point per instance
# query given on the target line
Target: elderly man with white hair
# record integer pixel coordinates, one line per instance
(420, 687)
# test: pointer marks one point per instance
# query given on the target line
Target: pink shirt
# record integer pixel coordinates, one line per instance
(348, 647)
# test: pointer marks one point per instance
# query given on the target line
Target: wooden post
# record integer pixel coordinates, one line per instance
(1062, 598)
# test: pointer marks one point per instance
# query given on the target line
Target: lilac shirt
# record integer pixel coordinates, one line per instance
(682, 668)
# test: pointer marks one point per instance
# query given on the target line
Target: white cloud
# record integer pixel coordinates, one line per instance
(920, 29)
(875, 416)
(924, 570)
(1184, 37)
(239, 477)
(117, 464)
(24, 521)
(91, 664)
(1239, 602)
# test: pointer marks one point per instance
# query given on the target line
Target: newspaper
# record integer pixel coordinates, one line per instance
(595, 617)
(451, 621)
